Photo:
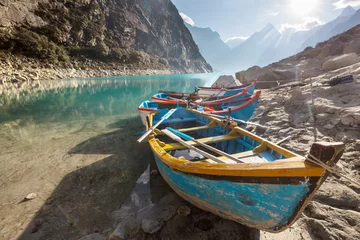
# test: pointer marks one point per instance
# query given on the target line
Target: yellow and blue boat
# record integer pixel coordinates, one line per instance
(237, 175)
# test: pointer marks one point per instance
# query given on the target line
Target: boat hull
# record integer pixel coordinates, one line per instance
(210, 91)
(257, 202)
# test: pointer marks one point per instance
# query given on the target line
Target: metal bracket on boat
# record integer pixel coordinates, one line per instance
(261, 148)
(161, 144)
(157, 131)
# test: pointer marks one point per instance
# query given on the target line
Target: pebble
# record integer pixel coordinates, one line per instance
(347, 120)
(322, 115)
(30, 196)
(329, 126)
(184, 211)
(335, 121)
(283, 132)
(154, 172)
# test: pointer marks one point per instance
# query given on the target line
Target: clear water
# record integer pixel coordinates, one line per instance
(77, 135)
(90, 98)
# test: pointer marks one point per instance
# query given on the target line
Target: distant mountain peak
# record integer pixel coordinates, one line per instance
(348, 11)
(268, 28)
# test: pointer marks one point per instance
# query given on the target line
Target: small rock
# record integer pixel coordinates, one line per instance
(329, 126)
(151, 225)
(356, 164)
(184, 211)
(283, 132)
(335, 121)
(93, 236)
(30, 196)
(347, 120)
(321, 115)
(154, 172)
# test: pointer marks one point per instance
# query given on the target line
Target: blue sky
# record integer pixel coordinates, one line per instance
(241, 18)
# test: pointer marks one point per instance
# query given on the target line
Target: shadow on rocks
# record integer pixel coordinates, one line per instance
(83, 200)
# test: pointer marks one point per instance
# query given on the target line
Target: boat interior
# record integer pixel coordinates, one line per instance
(242, 145)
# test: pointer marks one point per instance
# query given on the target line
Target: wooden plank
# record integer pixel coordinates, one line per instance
(208, 140)
(247, 157)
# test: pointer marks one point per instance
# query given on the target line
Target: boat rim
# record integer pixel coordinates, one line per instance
(294, 166)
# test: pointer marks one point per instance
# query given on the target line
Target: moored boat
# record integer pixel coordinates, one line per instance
(210, 94)
(240, 109)
(261, 184)
(167, 99)
(229, 90)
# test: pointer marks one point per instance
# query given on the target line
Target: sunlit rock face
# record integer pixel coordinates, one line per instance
(139, 32)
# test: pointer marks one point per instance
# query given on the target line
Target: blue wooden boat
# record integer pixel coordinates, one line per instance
(208, 93)
(240, 109)
(266, 187)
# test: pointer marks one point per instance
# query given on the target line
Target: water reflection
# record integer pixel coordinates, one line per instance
(88, 98)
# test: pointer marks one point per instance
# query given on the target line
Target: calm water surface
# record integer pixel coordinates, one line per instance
(68, 100)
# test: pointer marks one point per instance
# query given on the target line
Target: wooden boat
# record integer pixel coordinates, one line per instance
(167, 99)
(266, 187)
(240, 109)
(210, 94)
(215, 90)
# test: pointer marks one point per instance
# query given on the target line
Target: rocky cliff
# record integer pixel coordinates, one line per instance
(339, 51)
(130, 33)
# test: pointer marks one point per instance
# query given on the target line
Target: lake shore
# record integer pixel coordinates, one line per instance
(18, 70)
(102, 177)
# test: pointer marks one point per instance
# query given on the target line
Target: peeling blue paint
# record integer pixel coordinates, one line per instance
(265, 206)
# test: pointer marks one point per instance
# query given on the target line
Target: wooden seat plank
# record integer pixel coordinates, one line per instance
(247, 157)
(208, 140)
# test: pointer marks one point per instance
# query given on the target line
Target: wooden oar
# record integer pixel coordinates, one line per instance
(233, 119)
(179, 140)
(166, 116)
(189, 138)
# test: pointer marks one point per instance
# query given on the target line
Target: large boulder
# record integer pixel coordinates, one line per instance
(251, 74)
(340, 61)
(226, 81)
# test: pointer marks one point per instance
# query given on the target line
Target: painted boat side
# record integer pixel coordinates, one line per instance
(242, 109)
(260, 205)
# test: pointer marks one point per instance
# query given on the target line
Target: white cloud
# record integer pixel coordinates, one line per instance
(236, 38)
(308, 24)
(272, 14)
(344, 3)
(267, 15)
(187, 19)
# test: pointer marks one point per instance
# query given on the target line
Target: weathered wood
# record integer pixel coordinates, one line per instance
(208, 140)
(327, 152)
(241, 156)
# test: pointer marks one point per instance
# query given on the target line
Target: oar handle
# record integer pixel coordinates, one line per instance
(166, 116)
(180, 134)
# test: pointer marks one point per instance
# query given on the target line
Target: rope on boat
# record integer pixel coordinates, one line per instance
(334, 170)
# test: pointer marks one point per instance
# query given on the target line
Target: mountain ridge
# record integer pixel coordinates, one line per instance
(135, 33)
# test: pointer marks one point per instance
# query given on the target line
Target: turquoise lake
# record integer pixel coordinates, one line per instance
(90, 98)
(72, 143)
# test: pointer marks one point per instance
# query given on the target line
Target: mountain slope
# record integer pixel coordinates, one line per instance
(351, 22)
(139, 33)
(327, 30)
(258, 49)
(234, 42)
(212, 48)
(308, 63)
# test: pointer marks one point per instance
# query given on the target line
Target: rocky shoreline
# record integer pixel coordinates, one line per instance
(17, 70)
